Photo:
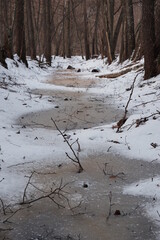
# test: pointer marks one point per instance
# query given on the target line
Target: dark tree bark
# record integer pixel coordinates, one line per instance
(112, 23)
(64, 13)
(149, 40)
(110, 27)
(20, 44)
(106, 32)
(117, 31)
(31, 34)
(157, 31)
(47, 30)
(86, 40)
(130, 27)
(77, 27)
(6, 30)
(2, 49)
(69, 29)
(95, 33)
(128, 35)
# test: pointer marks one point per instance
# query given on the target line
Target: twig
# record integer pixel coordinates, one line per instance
(6, 220)
(123, 120)
(79, 147)
(2, 180)
(126, 143)
(25, 190)
(76, 160)
(51, 195)
(144, 103)
(140, 121)
(3, 206)
(110, 206)
(45, 173)
(5, 229)
(158, 213)
(57, 191)
(109, 148)
(19, 164)
(75, 207)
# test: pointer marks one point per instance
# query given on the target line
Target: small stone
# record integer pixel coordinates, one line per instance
(95, 70)
(85, 185)
(117, 213)
(70, 67)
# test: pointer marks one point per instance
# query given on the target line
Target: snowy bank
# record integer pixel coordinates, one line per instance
(139, 137)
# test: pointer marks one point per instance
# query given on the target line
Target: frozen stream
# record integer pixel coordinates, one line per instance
(105, 175)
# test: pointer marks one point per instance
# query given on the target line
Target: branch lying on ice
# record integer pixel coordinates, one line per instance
(57, 192)
(76, 155)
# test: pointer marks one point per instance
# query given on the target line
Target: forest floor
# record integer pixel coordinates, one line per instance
(99, 203)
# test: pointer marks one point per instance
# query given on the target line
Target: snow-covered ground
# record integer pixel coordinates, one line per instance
(139, 138)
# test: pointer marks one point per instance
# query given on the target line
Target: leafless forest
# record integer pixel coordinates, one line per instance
(88, 28)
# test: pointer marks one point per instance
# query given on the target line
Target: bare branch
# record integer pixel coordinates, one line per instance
(123, 120)
(76, 160)
(25, 190)
(3, 206)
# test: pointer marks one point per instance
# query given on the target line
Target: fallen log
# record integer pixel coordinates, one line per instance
(123, 72)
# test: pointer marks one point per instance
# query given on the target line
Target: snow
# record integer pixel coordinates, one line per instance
(19, 145)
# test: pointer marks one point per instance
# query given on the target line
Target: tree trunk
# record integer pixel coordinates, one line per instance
(128, 35)
(31, 37)
(20, 44)
(64, 13)
(148, 32)
(157, 31)
(130, 27)
(47, 30)
(86, 41)
(110, 27)
(77, 27)
(117, 31)
(69, 30)
(95, 33)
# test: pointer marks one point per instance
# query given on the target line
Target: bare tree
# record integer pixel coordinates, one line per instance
(31, 31)
(128, 35)
(86, 40)
(95, 33)
(157, 32)
(68, 29)
(47, 30)
(148, 30)
(20, 43)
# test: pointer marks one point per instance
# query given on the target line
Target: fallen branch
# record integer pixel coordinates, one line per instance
(6, 220)
(76, 155)
(110, 206)
(59, 192)
(121, 73)
(3, 206)
(143, 120)
(144, 103)
(2, 180)
(25, 190)
(124, 118)
(5, 229)
(19, 164)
